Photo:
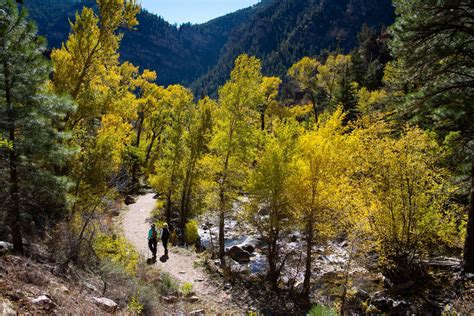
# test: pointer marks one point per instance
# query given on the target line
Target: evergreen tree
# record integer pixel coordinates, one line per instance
(29, 120)
(370, 57)
(433, 42)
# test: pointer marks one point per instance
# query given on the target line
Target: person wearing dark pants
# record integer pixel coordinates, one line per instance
(153, 240)
(165, 236)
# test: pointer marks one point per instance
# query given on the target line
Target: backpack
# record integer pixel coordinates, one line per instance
(154, 234)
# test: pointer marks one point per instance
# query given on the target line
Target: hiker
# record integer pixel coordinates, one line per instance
(153, 240)
(165, 235)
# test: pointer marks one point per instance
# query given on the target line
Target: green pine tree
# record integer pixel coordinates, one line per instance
(433, 44)
(29, 115)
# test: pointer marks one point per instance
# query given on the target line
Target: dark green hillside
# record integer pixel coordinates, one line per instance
(179, 55)
(279, 32)
(282, 32)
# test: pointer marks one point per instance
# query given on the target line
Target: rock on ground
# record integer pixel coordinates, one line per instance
(5, 246)
(44, 301)
(6, 308)
(105, 304)
(129, 200)
(239, 255)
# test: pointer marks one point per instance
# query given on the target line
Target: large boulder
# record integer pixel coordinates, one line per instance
(249, 248)
(238, 254)
(106, 304)
(249, 244)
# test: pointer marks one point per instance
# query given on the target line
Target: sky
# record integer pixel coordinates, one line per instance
(194, 11)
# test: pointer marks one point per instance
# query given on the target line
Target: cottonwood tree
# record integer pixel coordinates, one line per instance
(169, 168)
(315, 184)
(406, 194)
(269, 189)
(154, 125)
(304, 73)
(30, 114)
(269, 88)
(328, 84)
(148, 93)
(335, 79)
(197, 144)
(231, 149)
(87, 68)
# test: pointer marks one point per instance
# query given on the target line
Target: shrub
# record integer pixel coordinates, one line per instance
(117, 250)
(191, 232)
(173, 237)
(187, 288)
(135, 306)
(144, 295)
(320, 310)
(168, 284)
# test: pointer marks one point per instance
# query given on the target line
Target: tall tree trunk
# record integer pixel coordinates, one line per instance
(168, 207)
(152, 158)
(315, 108)
(148, 150)
(222, 191)
(272, 260)
(183, 211)
(221, 237)
(136, 166)
(309, 259)
(262, 119)
(468, 258)
(14, 209)
(171, 188)
(186, 195)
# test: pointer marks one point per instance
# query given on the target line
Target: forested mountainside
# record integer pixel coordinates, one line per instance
(178, 54)
(279, 32)
(282, 32)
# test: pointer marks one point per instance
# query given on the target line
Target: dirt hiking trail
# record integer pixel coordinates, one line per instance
(180, 263)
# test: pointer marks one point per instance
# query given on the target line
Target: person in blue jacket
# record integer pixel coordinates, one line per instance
(153, 240)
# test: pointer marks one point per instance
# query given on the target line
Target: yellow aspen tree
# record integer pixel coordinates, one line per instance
(405, 193)
(315, 183)
(168, 174)
(269, 88)
(232, 146)
(269, 188)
